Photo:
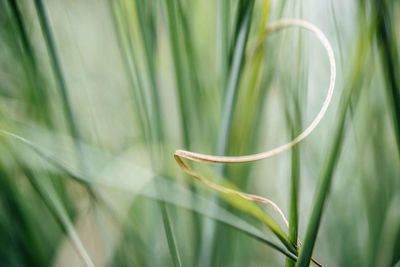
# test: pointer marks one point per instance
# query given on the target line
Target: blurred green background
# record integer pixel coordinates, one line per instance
(95, 97)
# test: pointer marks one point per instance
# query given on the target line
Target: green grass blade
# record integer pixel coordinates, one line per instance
(19, 220)
(190, 58)
(37, 93)
(62, 85)
(330, 162)
(181, 79)
(56, 64)
(294, 118)
(223, 39)
(234, 77)
(294, 196)
(146, 20)
(52, 201)
(130, 67)
(148, 33)
(173, 248)
(326, 178)
(390, 60)
(246, 10)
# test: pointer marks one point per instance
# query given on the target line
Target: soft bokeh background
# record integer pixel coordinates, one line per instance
(95, 97)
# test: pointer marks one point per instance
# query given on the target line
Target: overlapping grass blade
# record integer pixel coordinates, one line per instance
(147, 185)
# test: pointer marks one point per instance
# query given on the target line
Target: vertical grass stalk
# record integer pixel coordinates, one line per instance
(390, 60)
(326, 176)
(242, 31)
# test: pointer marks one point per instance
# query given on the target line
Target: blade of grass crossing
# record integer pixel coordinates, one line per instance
(171, 193)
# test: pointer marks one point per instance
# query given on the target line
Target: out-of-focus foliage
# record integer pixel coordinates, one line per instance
(95, 96)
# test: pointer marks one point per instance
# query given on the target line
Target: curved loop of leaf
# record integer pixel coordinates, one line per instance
(273, 152)
(119, 173)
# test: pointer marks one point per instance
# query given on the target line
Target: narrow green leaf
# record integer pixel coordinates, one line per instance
(231, 91)
(173, 248)
(56, 64)
(390, 60)
(180, 73)
(327, 173)
(62, 85)
(52, 201)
